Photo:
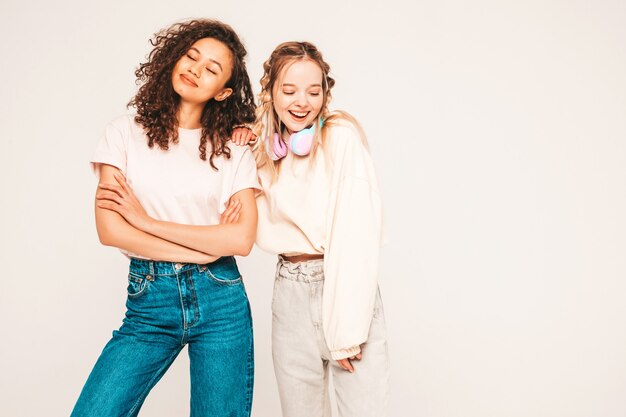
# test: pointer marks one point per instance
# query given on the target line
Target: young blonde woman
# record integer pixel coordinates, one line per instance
(166, 177)
(320, 211)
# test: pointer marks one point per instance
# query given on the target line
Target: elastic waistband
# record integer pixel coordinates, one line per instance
(306, 271)
(145, 266)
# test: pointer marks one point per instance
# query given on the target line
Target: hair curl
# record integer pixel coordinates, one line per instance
(157, 102)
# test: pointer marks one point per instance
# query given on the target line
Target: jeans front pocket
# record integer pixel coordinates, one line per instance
(137, 284)
(223, 280)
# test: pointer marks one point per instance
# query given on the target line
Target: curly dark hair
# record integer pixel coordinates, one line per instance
(157, 102)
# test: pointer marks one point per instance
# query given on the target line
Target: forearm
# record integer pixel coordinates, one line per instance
(114, 231)
(351, 266)
(222, 239)
(228, 239)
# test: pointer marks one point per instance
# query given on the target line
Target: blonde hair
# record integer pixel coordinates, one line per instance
(268, 122)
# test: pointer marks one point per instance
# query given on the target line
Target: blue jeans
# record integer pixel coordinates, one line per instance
(171, 305)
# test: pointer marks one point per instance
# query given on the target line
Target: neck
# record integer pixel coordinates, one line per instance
(189, 115)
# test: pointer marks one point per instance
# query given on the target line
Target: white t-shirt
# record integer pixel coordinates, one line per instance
(175, 185)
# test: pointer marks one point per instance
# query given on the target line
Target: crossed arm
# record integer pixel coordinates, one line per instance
(122, 222)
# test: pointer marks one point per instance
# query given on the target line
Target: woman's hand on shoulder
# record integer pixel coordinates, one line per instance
(243, 136)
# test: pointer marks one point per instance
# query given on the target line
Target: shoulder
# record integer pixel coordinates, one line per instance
(123, 121)
(126, 123)
(126, 126)
(239, 153)
(238, 150)
(343, 133)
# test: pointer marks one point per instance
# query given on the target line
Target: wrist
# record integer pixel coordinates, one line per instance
(149, 225)
(345, 353)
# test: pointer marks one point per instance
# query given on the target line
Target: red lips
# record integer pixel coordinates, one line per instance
(187, 80)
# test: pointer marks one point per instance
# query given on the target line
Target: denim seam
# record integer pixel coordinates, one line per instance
(194, 300)
(143, 273)
(182, 307)
(250, 376)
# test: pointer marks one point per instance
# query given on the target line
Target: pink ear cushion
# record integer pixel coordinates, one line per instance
(300, 144)
(280, 149)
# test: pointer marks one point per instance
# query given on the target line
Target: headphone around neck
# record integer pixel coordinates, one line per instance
(299, 143)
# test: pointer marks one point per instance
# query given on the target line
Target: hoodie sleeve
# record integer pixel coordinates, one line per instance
(354, 225)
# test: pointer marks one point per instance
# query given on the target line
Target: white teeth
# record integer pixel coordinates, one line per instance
(299, 114)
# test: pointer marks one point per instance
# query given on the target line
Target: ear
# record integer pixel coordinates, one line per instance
(224, 94)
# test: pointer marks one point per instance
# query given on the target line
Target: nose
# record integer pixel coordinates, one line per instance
(301, 99)
(195, 70)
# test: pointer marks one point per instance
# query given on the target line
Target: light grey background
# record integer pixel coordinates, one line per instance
(499, 132)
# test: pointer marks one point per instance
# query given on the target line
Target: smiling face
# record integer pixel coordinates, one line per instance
(203, 71)
(299, 96)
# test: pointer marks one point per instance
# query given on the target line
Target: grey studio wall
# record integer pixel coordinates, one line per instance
(499, 133)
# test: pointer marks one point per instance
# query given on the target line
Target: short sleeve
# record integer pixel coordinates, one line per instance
(245, 173)
(112, 148)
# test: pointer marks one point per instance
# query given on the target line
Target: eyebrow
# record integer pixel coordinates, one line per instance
(293, 85)
(210, 59)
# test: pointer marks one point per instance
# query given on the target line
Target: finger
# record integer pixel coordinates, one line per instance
(237, 136)
(346, 365)
(225, 217)
(250, 136)
(236, 212)
(236, 207)
(121, 180)
(107, 205)
(111, 187)
(358, 356)
(234, 215)
(115, 188)
(231, 208)
(108, 195)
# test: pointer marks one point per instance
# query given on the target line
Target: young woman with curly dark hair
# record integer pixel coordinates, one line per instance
(180, 202)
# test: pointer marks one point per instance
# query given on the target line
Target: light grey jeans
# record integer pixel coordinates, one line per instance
(301, 356)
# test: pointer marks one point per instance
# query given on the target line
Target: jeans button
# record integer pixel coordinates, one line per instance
(178, 265)
(149, 278)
